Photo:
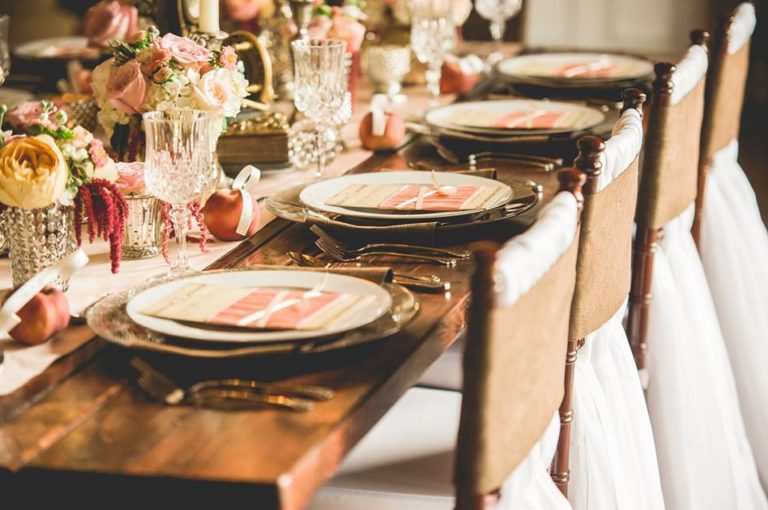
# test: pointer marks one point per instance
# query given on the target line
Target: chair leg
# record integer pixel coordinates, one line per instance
(560, 472)
(476, 501)
(646, 244)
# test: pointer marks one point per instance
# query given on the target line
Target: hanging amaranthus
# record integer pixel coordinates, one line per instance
(105, 209)
(194, 212)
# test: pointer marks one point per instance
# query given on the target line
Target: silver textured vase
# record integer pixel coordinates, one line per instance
(142, 237)
(37, 239)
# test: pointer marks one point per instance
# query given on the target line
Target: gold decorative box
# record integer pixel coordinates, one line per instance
(259, 138)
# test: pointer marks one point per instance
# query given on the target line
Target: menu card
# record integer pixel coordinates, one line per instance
(524, 118)
(417, 197)
(258, 307)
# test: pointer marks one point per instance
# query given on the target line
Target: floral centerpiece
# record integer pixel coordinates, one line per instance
(149, 72)
(45, 163)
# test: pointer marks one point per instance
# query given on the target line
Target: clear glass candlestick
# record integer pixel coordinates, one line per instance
(179, 165)
(433, 36)
(320, 84)
(497, 12)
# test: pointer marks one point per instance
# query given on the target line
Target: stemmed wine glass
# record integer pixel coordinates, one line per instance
(432, 38)
(320, 83)
(497, 12)
(180, 166)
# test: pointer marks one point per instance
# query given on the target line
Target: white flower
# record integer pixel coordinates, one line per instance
(221, 90)
(67, 198)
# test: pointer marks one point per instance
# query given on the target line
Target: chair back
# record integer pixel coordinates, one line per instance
(605, 245)
(726, 81)
(610, 196)
(668, 185)
(515, 347)
(671, 158)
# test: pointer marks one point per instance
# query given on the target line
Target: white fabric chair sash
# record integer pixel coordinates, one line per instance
(622, 147)
(526, 258)
(689, 72)
(704, 457)
(734, 250)
(740, 31)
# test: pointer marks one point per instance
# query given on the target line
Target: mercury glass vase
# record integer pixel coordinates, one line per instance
(143, 223)
(37, 239)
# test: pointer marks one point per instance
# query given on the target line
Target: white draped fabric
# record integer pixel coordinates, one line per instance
(689, 72)
(703, 453)
(734, 250)
(406, 462)
(613, 460)
(743, 25)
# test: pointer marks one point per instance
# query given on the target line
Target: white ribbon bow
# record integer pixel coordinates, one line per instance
(246, 215)
(380, 109)
(64, 269)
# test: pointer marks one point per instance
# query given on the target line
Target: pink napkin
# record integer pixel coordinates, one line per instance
(586, 70)
(537, 119)
(274, 309)
(407, 198)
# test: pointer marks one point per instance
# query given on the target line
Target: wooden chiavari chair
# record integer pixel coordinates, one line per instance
(503, 425)
(705, 460)
(730, 232)
(603, 283)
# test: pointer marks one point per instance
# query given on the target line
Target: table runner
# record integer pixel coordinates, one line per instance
(24, 363)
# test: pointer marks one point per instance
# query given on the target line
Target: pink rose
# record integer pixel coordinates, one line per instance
(81, 137)
(215, 91)
(126, 88)
(242, 10)
(347, 29)
(183, 50)
(130, 177)
(106, 21)
(30, 114)
(97, 153)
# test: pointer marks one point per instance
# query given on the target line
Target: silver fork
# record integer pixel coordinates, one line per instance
(340, 254)
(398, 247)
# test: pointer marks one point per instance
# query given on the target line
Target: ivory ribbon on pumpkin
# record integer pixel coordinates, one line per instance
(24, 294)
(380, 109)
(246, 214)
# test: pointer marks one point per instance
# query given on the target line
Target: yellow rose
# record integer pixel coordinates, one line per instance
(33, 173)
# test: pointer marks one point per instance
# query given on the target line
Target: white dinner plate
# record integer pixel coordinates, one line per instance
(480, 116)
(317, 194)
(548, 65)
(374, 308)
(57, 48)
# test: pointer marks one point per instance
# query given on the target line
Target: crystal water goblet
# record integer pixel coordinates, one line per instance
(179, 165)
(320, 84)
(433, 36)
(388, 64)
(497, 12)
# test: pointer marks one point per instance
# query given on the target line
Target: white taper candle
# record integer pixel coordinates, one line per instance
(209, 16)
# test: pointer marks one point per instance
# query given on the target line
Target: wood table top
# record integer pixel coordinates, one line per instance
(85, 428)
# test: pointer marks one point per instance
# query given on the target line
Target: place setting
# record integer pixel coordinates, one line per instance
(404, 213)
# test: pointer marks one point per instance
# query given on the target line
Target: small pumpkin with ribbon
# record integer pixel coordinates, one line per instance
(459, 75)
(381, 129)
(35, 312)
(232, 214)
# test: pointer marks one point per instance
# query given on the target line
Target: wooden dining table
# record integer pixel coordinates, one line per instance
(84, 432)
